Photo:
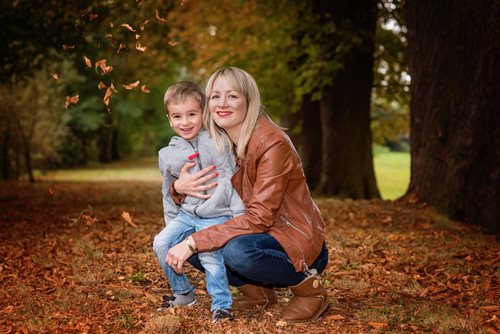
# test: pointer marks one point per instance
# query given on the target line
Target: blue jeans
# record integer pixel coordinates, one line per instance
(259, 259)
(212, 262)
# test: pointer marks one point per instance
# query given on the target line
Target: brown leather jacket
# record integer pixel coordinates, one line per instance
(272, 185)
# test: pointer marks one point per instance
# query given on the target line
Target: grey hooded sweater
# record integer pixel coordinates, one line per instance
(224, 201)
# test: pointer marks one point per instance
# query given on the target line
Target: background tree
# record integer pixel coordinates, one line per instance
(455, 146)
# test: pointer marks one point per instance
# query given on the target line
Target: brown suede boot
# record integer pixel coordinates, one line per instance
(252, 296)
(309, 302)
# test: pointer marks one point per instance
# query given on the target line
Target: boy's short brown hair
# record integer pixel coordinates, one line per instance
(181, 91)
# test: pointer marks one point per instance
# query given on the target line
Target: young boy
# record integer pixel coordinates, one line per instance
(184, 102)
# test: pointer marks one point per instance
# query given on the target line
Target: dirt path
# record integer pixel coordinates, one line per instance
(70, 263)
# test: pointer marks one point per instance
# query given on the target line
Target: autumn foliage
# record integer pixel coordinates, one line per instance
(77, 258)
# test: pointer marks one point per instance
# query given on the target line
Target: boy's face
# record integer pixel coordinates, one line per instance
(185, 118)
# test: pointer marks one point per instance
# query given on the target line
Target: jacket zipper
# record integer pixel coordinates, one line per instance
(287, 223)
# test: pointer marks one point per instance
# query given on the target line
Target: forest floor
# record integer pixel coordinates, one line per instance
(71, 261)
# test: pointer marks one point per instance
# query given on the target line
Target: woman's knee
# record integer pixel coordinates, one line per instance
(238, 254)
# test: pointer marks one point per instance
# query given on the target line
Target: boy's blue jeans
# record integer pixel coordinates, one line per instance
(259, 259)
(212, 262)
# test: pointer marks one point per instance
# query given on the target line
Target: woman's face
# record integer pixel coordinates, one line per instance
(228, 108)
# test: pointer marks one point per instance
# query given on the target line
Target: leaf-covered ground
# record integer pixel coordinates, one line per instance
(72, 262)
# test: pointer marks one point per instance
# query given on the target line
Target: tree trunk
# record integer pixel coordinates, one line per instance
(347, 168)
(310, 148)
(6, 153)
(455, 146)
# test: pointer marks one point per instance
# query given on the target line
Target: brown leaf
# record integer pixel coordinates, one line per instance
(143, 25)
(490, 308)
(137, 36)
(131, 85)
(144, 89)
(55, 76)
(172, 43)
(93, 16)
(71, 100)
(102, 65)
(378, 325)
(128, 219)
(183, 2)
(139, 3)
(140, 47)
(159, 18)
(335, 317)
(67, 47)
(101, 85)
(127, 26)
(88, 63)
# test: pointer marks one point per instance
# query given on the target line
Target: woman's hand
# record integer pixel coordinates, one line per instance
(194, 185)
(178, 254)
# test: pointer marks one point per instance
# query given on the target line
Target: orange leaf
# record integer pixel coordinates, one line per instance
(140, 47)
(137, 36)
(127, 26)
(110, 36)
(55, 76)
(144, 89)
(87, 62)
(67, 47)
(139, 2)
(101, 85)
(93, 16)
(335, 317)
(120, 47)
(142, 25)
(128, 219)
(378, 325)
(172, 43)
(183, 2)
(159, 18)
(71, 100)
(102, 65)
(131, 85)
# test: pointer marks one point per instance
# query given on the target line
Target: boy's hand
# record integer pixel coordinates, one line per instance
(194, 185)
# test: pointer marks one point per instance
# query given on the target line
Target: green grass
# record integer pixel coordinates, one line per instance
(392, 170)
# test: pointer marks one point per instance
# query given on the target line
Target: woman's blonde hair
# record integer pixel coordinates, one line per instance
(244, 83)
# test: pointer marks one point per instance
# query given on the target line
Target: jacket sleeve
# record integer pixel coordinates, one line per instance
(170, 209)
(274, 167)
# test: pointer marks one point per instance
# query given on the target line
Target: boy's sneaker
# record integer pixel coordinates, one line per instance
(221, 314)
(178, 300)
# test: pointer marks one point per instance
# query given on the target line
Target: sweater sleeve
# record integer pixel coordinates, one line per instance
(170, 208)
(274, 167)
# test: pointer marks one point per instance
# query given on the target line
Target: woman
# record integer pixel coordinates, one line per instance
(279, 241)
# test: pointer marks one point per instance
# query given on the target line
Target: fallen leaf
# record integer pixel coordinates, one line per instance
(55, 76)
(490, 307)
(128, 219)
(88, 63)
(67, 47)
(335, 317)
(159, 18)
(139, 47)
(172, 43)
(378, 325)
(71, 100)
(144, 89)
(131, 85)
(127, 26)
(281, 323)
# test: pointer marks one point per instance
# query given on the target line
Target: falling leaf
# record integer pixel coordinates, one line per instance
(183, 2)
(108, 94)
(159, 18)
(144, 24)
(127, 26)
(144, 89)
(111, 25)
(172, 43)
(137, 36)
(139, 3)
(67, 47)
(140, 47)
(102, 65)
(87, 62)
(120, 47)
(131, 85)
(55, 76)
(128, 219)
(101, 85)
(93, 16)
(71, 100)
(110, 36)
